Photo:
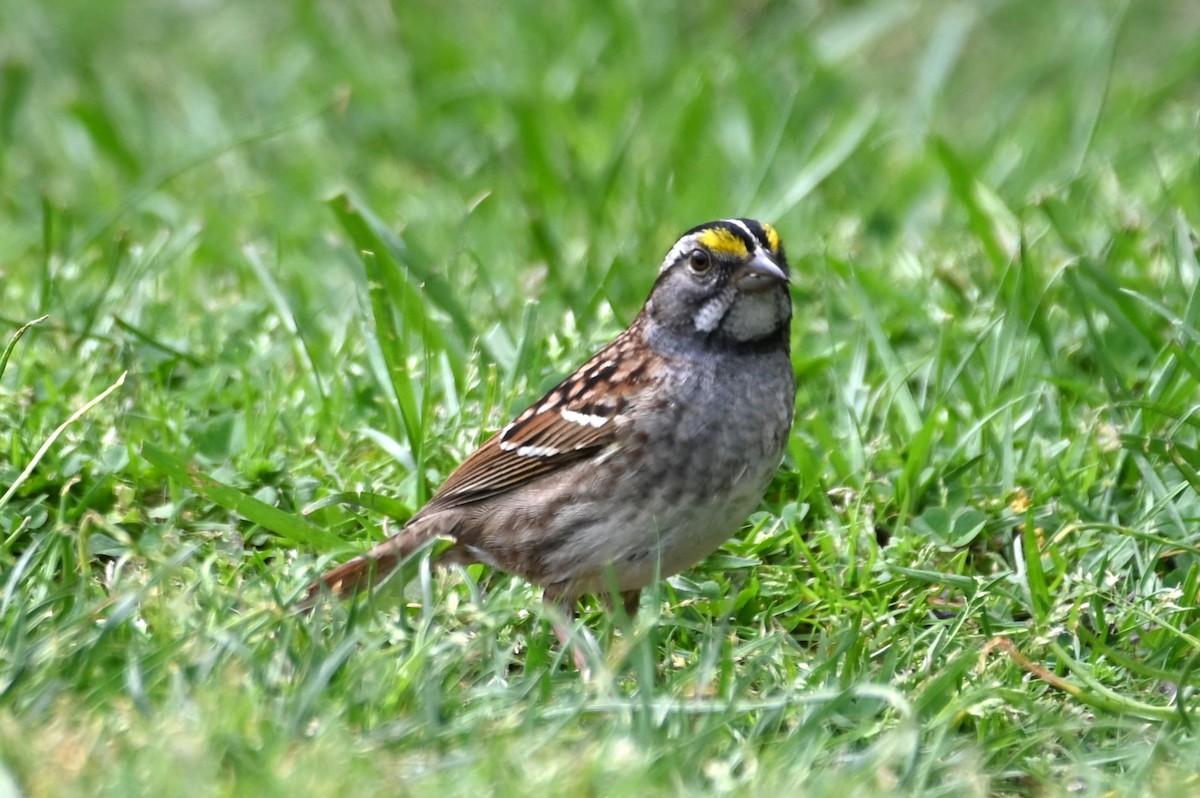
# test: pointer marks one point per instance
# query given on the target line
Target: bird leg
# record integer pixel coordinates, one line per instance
(631, 600)
(583, 646)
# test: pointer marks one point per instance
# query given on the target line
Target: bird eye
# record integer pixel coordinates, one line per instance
(699, 260)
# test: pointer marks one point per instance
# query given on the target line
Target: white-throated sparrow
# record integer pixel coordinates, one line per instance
(645, 459)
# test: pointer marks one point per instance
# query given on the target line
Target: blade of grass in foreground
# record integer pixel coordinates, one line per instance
(45, 447)
(391, 340)
(399, 315)
(283, 310)
(370, 234)
(374, 502)
(12, 342)
(291, 527)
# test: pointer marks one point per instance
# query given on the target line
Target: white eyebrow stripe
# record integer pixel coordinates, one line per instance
(586, 419)
(682, 245)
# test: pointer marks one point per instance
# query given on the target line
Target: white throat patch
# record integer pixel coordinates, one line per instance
(752, 315)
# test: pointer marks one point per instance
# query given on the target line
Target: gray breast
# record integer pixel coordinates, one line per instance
(694, 468)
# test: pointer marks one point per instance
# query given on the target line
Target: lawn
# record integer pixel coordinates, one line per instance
(269, 271)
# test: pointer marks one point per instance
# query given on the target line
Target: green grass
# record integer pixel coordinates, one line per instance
(314, 251)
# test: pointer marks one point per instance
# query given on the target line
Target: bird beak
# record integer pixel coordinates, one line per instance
(759, 274)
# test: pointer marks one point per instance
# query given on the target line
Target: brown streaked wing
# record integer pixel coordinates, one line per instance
(491, 470)
(542, 439)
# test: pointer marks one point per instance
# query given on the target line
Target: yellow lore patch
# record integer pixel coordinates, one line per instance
(720, 240)
(773, 240)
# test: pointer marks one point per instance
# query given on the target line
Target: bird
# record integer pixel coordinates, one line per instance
(645, 459)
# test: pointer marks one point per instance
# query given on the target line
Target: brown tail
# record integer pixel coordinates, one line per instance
(361, 573)
(366, 570)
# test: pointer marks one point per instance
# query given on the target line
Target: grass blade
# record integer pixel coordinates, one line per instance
(369, 234)
(12, 342)
(293, 528)
(58, 431)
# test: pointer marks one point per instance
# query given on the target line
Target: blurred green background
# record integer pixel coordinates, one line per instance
(990, 211)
